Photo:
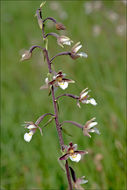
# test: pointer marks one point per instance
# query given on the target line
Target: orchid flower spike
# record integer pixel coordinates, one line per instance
(32, 129)
(84, 98)
(74, 51)
(89, 127)
(64, 40)
(73, 153)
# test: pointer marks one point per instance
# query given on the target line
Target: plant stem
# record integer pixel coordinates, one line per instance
(68, 175)
(56, 119)
(42, 117)
(58, 126)
(50, 18)
(59, 54)
(52, 34)
(69, 95)
(74, 123)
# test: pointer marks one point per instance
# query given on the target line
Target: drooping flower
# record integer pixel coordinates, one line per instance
(89, 127)
(26, 55)
(64, 40)
(84, 98)
(74, 51)
(60, 80)
(73, 153)
(32, 129)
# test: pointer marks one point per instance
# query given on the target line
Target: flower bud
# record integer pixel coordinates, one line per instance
(60, 26)
(26, 55)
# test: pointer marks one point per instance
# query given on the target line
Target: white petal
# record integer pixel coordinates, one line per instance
(83, 181)
(77, 48)
(92, 125)
(67, 43)
(84, 94)
(91, 101)
(94, 130)
(82, 54)
(28, 136)
(63, 85)
(64, 39)
(75, 157)
(75, 146)
(31, 127)
(46, 80)
(23, 55)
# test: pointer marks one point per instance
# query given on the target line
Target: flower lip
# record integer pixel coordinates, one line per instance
(75, 157)
(28, 136)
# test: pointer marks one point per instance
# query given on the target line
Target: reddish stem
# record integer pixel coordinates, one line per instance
(42, 117)
(50, 18)
(69, 95)
(58, 126)
(68, 175)
(59, 54)
(74, 123)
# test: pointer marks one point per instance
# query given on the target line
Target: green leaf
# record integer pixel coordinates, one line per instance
(66, 132)
(49, 121)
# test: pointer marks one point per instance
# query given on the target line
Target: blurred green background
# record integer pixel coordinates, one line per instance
(100, 26)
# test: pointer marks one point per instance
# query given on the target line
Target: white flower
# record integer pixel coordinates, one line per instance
(84, 98)
(89, 127)
(60, 80)
(75, 49)
(63, 85)
(75, 157)
(28, 136)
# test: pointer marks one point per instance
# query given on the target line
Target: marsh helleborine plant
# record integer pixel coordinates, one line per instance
(53, 81)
